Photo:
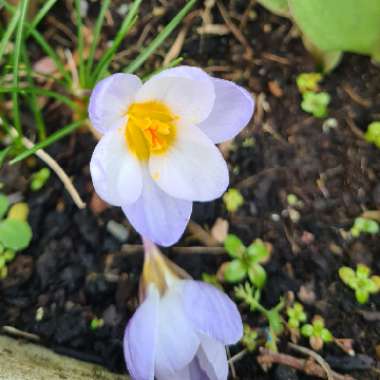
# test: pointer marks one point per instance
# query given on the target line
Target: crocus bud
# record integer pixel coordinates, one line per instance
(181, 328)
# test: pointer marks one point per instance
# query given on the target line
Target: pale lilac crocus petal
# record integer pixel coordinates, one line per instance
(193, 168)
(232, 111)
(115, 172)
(191, 372)
(177, 341)
(191, 100)
(157, 215)
(212, 359)
(189, 72)
(140, 338)
(212, 312)
(110, 99)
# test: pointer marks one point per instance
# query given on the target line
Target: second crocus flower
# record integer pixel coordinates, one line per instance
(181, 328)
(158, 154)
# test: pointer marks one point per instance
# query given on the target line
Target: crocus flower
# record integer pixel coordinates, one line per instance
(157, 154)
(180, 330)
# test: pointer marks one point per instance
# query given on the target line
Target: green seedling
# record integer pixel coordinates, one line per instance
(251, 296)
(315, 103)
(296, 316)
(373, 133)
(211, 279)
(39, 179)
(360, 281)
(246, 261)
(317, 333)
(233, 200)
(366, 226)
(308, 82)
(96, 323)
(15, 232)
(250, 338)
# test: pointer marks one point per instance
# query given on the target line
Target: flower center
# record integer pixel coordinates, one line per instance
(150, 129)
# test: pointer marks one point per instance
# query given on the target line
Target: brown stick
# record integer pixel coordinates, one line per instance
(308, 366)
(134, 249)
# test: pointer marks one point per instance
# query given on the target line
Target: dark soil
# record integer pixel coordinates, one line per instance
(75, 269)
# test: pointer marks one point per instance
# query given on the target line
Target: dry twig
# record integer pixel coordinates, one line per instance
(53, 165)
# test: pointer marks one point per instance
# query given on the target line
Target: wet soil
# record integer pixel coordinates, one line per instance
(76, 270)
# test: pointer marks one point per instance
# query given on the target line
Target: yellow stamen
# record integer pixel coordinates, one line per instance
(150, 129)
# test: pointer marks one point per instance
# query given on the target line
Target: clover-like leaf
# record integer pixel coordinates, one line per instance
(347, 275)
(361, 295)
(233, 200)
(257, 275)
(15, 234)
(258, 252)
(234, 271)
(315, 103)
(234, 246)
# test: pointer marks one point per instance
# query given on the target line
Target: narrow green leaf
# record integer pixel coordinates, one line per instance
(4, 204)
(96, 35)
(51, 139)
(160, 38)
(80, 43)
(123, 31)
(42, 13)
(16, 62)
(9, 32)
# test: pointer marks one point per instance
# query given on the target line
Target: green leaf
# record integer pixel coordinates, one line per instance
(326, 336)
(373, 133)
(361, 296)
(362, 271)
(257, 252)
(340, 25)
(278, 7)
(307, 330)
(347, 275)
(306, 82)
(315, 103)
(234, 246)
(160, 38)
(233, 200)
(4, 204)
(257, 275)
(15, 234)
(235, 271)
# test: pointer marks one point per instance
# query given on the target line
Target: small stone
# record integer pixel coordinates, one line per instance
(118, 231)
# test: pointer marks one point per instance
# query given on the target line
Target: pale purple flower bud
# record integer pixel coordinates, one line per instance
(180, 330)
(158, 153)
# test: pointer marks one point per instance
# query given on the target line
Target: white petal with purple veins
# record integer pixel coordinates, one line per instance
(110, 99)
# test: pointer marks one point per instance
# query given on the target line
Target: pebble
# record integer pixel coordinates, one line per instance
(118, 231)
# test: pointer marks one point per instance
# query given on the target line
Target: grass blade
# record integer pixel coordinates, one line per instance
(40, 91)
(51, 139)
(42, 13)
(80, 42)
(96, 35)
(9, 32)
(33, 103)
(125, 27)
(16, 61)
(44, 45)
(159, 39)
